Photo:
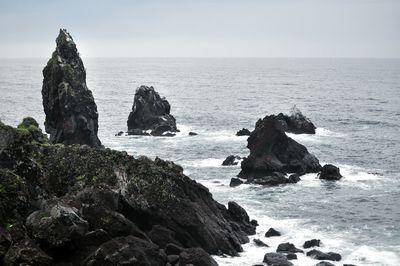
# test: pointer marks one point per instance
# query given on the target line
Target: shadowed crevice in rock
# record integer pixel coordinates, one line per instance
(71, 113)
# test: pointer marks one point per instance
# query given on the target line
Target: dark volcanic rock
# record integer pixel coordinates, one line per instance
(272, 151)
(235, 182)
(312, 243)
(79, 202)
(120, 133)
(196, 256)
(288, 248)
(319, 255)
(150, 112)
(330, 172)
(274, 179)
(193, 134)
(276, 259)
(231, 160)
(243, 132)
(325, 263)
(272, 232)
(259, 243)
(291, 256)
(294, 178)
(296, 123)
(71, 113)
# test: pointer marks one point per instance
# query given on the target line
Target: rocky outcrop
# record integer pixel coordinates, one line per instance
(231, 160)
(243, 132)
(150, 114)
(288, 248)
(330, 172)
(71, 113)
(235, 182)
(271, 150)
(312, 243)
(274, 259)
(76, 205)
(296, 122)
(319, 255)
(272, 232)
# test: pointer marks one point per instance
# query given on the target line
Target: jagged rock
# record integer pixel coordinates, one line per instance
(127, 250)
(243, 132)
(120, 133)
(71, 113)
(319, 255)
(276, 259)
(330, 172)
(60, 227)
(312, 243)
(272, 232)
(291, 256)
(240, 215)
(231, 160)
(288, 248)
(259, 243)
(272, 151)
(235, 182)
(193, 134)
(73, 189)
(296, 123)
(294, 178)
(150, 112)
(196, 256)
(26, 252)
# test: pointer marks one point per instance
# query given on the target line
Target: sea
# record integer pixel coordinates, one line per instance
(355, 104)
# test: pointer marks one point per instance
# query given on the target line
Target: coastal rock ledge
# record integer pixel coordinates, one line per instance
(76, 205)
(150, 114)
(71, 113)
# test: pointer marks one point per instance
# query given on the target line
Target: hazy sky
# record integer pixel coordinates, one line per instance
(205, 28)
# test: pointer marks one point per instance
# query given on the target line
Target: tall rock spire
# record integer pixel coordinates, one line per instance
(71, 113)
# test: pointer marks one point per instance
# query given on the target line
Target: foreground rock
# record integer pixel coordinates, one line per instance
(243, 132)
(319, 255)
(271, 150)
(272, 232)
(312, 243)
(231, 160)
(76, 205)
(71, 113)
(150, 114)
(288, 248)
(296, 123)
(330, 172)
(276, 259)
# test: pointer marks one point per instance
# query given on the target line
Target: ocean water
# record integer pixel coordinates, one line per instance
(355, 103)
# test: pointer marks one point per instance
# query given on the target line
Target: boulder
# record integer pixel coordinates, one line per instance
(172, 249)
(272, 232)
(273, 179)
(127, 250)
(192, 134)
(294, 178)
(120, 133)
(243, 132)
(71, 113)
(196, 256)
(271, 150)
(26, 252)
(319, 255)
(296, 122)
(276, 259)
(325, 263)
(259, 243)
(312, 243)
(162, 236)
(235, 182)
(150, 113)
(231, 160)
(330, 172)
(291, 256)
(288, 248)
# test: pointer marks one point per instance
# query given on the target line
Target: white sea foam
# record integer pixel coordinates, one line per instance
(209, 162)
(321, 134)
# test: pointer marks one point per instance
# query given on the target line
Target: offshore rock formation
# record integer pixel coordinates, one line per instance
(330, 172)
(71, 113)
(76, 205)
(296, 123)
(151, 113)
(273, 152)
(243, 132)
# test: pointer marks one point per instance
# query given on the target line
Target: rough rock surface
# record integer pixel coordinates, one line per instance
(276, 259)
(231, 160)
(330, 172)
(312, 243)
(243, 132)
(319, 255)
(235, 182)
(150, 113)
(82, 203)
(288, 248)
(296, 122)
(272, 232)
(71, 113)
(271, 150)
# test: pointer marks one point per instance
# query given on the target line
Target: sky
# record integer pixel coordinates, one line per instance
(203, 28)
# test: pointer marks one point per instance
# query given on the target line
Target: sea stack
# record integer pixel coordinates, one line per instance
(296, 122)
(71, 113)
(272, 151)
(150, 114)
